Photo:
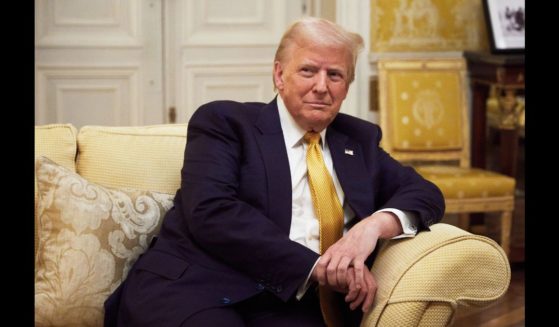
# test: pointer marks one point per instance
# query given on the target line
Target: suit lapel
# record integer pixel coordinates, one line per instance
(274, 155)
(347, 157)
(349, 164)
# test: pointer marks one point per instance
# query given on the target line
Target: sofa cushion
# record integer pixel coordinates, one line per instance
(89, 237)
(58, 142)
(146, 157)
(467, 183)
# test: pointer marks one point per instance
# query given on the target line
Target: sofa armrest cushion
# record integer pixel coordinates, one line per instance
(59, 143)
(436, 270)
(89, 237)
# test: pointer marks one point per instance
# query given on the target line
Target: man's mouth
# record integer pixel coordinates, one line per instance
(317, 104)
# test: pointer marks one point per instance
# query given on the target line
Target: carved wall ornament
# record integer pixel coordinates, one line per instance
(427, 25)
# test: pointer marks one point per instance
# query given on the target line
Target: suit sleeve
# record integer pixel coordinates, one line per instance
(224, 225)
(401, 187)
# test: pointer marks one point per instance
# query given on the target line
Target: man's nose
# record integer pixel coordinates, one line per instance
(320, 84)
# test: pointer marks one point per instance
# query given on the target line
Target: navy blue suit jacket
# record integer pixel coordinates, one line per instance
(227, 237)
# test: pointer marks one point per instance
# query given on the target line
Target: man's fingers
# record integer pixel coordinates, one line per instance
(332, 271)
(352, 295)
(321, 269)
(361, 296)
(372, 286)
(353, 292)
(342, 272)
(358, 267)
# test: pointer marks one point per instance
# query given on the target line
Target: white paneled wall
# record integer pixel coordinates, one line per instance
(224, 50)
(219, 81)
(98, 62)
(127, 62)
(85, 23)
(84, 95)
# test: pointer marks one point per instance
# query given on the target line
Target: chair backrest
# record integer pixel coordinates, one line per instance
(423, 109)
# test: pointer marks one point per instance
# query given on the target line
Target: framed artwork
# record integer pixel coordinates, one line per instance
(506, 25)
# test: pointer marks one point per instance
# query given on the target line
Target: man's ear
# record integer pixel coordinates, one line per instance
(278, 75)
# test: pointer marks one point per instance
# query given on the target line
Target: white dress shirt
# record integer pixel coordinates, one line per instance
(304, 222)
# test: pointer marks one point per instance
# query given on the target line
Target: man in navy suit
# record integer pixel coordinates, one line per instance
(240, 247)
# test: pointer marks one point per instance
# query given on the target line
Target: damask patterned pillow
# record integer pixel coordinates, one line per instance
(89, 237)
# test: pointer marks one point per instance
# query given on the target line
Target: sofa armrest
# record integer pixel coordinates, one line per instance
(422, 280)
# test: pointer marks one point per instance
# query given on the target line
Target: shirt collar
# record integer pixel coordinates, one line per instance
(292, 132)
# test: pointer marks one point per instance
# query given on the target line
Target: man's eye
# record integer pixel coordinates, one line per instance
(335, 75)
(306, 71)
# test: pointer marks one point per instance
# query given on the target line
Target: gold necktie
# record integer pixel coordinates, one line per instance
(330, 215)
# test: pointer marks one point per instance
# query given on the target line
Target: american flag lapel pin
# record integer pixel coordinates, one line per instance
(348, 152)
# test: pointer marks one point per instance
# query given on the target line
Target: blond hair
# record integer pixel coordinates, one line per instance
(318, 31)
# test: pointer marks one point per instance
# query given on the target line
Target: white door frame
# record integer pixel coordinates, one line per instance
(355, 16)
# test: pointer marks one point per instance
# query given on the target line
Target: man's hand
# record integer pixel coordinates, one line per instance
(353, 249)
(364, 294)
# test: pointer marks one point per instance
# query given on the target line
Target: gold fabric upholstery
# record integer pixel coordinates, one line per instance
(424, 117)
(57, 142)
(145, 158)
(462, 183)
(419, 114)
(422, 280)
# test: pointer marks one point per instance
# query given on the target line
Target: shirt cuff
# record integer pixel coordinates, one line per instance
(407, 219)
(303, 288)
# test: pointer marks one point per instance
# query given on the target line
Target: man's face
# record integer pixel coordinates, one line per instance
(313, 82)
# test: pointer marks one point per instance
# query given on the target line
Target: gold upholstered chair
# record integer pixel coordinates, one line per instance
(424, 118)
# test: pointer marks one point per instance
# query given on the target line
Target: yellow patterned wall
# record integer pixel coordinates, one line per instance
(427, 25)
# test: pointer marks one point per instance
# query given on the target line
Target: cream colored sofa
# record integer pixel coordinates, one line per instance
(103, 193)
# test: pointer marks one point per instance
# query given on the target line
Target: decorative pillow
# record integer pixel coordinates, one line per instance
(89, 237)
